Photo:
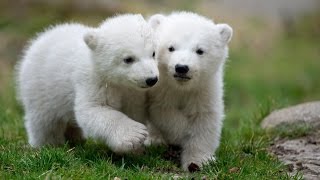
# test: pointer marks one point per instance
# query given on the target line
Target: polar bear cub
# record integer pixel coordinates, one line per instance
(76, 80)
(186, 108)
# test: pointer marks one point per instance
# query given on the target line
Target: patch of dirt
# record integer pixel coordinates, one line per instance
(302, 154)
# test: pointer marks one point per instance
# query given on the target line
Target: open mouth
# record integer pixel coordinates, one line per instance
(180, 77)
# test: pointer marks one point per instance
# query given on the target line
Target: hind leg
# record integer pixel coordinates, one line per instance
(44, 129)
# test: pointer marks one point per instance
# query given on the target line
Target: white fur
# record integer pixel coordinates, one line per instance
(189, 113)
(73, 75)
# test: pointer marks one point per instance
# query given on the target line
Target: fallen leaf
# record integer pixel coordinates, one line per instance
(234, 170)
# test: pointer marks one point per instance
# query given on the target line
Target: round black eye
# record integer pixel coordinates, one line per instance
(199, 51)
(171, 49)
(128, 60)
(153, 54)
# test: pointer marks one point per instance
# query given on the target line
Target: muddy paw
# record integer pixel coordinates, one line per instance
(193, 167)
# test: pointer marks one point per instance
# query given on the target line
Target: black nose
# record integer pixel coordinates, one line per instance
(182, 69)
(152, 81)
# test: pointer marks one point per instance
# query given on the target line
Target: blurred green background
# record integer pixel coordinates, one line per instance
(274, 54)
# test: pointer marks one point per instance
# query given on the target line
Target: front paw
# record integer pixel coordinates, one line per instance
(154, 140)
(128, 137)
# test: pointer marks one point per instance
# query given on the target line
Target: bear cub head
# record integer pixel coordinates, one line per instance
(191, 48)
(123, 51)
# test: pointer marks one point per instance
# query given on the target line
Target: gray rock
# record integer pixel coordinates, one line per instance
(303, 113)
(300, 155)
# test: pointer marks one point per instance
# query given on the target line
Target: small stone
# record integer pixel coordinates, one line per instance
(116, 178)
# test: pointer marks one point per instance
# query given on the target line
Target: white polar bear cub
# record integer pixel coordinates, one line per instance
(76, 76)
(186, 107)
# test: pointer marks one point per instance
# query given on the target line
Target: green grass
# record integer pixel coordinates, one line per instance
(291, 131)
(243, 147)
(256, 84)
(243, 143)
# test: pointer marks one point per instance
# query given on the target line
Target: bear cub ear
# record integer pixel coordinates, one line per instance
(91, 40)
(156, 20)
(225, 31)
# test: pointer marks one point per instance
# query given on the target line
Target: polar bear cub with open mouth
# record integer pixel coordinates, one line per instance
(186, 108)
(76, 80)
